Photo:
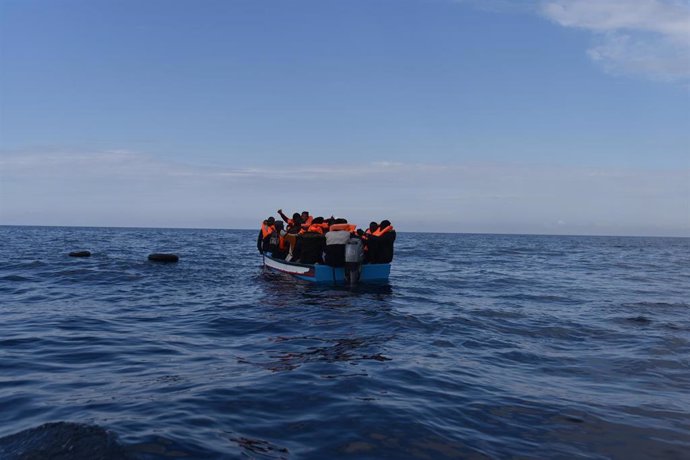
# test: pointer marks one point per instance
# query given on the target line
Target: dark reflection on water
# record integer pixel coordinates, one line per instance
(481, 346)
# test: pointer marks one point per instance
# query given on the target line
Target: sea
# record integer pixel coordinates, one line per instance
(479, 346)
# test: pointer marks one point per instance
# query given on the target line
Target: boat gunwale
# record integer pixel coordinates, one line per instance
(297, 264)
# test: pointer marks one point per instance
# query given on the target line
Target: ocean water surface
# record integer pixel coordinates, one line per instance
(480, 346)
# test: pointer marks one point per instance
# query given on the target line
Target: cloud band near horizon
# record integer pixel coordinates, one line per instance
(121, 188)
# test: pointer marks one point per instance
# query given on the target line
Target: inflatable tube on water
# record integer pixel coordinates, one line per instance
(80, 254)
(164, 257)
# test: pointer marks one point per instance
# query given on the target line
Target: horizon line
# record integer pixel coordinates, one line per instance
(423, 232)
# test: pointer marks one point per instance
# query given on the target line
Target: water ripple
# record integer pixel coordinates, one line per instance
(506, 346)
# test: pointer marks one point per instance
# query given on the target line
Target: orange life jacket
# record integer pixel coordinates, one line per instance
(347, 227)
(282, 243)
(307, 224)
(266, 230)
(318, 228)
(383, 231)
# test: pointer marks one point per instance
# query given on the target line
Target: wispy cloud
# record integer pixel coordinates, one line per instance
(650, 38)
(127, 188)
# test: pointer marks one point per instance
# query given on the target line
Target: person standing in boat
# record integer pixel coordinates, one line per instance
(263, 240)
(318, 225)
(291, 240)
(277, 244)
(305, 219)
(296, 220)
(380, 244)
(336, 239)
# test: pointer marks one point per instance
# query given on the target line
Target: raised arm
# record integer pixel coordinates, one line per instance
(285, 218)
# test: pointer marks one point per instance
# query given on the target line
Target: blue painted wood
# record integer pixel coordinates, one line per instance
(325, 274)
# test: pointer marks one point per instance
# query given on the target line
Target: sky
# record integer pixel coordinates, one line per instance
(496, 116)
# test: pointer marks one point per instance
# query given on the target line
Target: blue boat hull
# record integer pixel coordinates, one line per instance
(371, 273)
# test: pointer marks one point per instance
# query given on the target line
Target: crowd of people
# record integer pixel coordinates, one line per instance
(317, 240)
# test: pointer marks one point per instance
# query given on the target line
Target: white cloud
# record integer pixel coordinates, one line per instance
(130, 189)
(643, 37)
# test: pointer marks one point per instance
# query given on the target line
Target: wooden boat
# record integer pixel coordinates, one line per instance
(370, 273)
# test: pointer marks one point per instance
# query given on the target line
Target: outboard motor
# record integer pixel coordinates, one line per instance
(354, 255)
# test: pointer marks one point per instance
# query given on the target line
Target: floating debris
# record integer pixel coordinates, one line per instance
(156, 257)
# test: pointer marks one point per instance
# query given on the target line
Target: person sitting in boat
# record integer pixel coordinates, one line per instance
(380, 244)
(277, 244)
(309, 247)
(263, 240)
(336, 239)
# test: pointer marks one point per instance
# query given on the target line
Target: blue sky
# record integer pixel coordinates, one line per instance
(554, 116)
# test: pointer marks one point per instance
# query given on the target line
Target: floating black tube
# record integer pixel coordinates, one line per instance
(164, 257)
(80, 254)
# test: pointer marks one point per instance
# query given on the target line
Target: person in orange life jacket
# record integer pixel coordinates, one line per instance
(380, 243)
(373, 226)
(317, 225)
(267, 228)
(296, 219)
(339, 224)
(307, 220)
(291, 240)
(277, 244)
(309, 247)
(336, 239)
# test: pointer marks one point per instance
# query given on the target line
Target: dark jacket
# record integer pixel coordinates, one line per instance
(309, 248)
(380, 248)
(335, 255)
(335, 247)
(262, 244)
(276, 252)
